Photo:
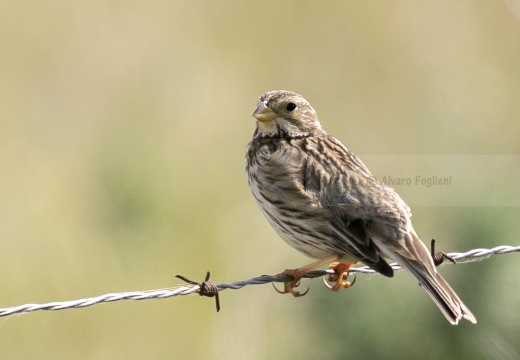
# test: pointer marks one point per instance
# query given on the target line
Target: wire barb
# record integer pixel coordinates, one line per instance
(206, 288)
(210, 289)
(438, 258)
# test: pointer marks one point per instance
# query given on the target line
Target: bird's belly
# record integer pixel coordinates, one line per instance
(303, 234)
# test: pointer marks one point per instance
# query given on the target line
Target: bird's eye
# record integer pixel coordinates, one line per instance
(290, 106)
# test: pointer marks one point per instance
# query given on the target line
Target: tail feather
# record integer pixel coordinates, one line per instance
(412, 254)
(442, 294)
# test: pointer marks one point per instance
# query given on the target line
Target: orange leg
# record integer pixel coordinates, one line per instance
(298, 274)
(340, 274)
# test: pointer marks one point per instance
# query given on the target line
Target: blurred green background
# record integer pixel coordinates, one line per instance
(124, 126)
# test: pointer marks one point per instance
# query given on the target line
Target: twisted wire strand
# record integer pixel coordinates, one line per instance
(471, 255)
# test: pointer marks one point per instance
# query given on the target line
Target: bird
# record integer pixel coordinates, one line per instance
(323, 201)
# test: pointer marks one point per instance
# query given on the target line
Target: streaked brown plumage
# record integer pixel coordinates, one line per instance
(323, 201)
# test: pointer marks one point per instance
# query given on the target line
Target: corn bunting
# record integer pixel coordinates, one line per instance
(323, 201)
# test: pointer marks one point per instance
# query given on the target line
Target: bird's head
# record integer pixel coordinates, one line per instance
(282, 113)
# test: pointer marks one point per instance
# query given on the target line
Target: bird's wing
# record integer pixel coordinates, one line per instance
(357, 204)
(348, 187)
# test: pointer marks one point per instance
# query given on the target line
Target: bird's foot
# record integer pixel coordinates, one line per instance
(340, 274)
(288, 286)
(298, 274)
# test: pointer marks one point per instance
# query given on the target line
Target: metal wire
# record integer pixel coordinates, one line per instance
(472, 255)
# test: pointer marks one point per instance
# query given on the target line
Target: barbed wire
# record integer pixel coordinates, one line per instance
(207, 288)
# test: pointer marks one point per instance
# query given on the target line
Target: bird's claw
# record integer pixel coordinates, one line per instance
(335, 287)
(289, 288)
(340, 274)
(297, 274)
(276, 289)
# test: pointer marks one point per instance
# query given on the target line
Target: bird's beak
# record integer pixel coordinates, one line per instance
(263, 113)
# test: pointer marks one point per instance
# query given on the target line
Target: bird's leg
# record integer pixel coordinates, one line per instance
(340, 274)
(297, 274)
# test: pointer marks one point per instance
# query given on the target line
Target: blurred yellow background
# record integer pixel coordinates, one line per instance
(123, 129)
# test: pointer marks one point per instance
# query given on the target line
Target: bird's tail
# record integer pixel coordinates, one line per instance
(441, 293)
(422, 267)
(411, 253)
